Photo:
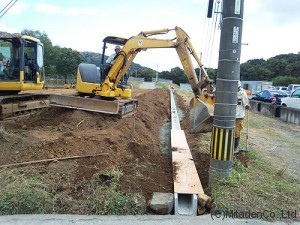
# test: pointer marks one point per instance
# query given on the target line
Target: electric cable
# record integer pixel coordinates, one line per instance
(213, 36)
(7, 8)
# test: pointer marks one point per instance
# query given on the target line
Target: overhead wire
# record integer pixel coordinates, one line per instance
(210, 34)
(205, 36)
(5, 9)
(214, 32)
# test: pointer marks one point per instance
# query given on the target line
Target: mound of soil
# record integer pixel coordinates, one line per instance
(132, 143)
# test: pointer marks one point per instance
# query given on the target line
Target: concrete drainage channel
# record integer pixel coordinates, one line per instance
(188, 191)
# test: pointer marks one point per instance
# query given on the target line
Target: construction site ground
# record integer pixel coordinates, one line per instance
(134, 150)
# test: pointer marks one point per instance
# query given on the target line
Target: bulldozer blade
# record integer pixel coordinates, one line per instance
(122, 108)
(201, 116)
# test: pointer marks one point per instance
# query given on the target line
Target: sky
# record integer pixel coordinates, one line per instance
(270, 27)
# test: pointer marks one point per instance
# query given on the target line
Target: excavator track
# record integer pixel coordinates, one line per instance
(118, 107)
(17, 105)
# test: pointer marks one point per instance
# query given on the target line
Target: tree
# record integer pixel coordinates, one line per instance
(148, 74)
(67, 61)
(285, 80)
(178, 76)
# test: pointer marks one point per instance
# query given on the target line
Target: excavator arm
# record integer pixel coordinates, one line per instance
(142, 41)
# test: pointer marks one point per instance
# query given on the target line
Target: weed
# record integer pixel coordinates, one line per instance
(106, 199)
(20, 194)
(258, 188)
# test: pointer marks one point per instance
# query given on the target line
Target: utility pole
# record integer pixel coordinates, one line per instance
(222, 142)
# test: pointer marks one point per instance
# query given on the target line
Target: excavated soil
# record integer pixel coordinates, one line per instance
(132, 143)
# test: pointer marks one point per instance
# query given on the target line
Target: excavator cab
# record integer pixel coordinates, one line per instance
(21, 63)
(105, 67)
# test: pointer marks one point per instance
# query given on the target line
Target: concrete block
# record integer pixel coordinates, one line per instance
(162, 203)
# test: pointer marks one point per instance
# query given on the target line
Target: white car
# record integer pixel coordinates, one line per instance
(292, 101)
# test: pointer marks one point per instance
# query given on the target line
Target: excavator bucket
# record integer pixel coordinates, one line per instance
(201, 115)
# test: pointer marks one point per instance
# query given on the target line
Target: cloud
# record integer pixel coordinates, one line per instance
(54, 9)
(10, 30)
(277, 12)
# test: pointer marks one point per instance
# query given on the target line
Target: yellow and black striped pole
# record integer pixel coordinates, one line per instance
(222, 140)
(221, 146)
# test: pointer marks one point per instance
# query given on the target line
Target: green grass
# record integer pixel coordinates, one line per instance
(33, 191)
(257, 187)
(204, 140)
(21, 193)
(107, 200)
(135, 84)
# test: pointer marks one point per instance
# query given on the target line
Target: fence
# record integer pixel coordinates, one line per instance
(58, 82)
(162, 80)
(137, 79)
(185, 86)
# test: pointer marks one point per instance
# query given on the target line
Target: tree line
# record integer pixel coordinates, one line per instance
(282, 69)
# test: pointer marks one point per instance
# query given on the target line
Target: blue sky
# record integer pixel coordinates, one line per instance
(270, 27)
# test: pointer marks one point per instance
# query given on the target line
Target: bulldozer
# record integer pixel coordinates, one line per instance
(114, 97)
(21, 69)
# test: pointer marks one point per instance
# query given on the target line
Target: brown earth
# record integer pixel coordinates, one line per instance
(133, 144)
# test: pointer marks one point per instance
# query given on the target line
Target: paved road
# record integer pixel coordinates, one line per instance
(148, 85)
(125, 220)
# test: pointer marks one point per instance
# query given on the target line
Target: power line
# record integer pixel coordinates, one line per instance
(205, 36)
(215, 27)
(5, 9)
(210, 33)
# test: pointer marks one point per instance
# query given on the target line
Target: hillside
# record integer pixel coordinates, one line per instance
(95, 58)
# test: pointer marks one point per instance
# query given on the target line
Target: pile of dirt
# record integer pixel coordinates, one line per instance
(132, 143)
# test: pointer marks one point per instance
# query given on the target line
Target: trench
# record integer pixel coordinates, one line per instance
(165, 132)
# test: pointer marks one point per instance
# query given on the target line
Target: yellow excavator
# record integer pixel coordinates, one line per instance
(21, 69)
(105, 83)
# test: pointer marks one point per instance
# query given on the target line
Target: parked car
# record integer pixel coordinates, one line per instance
(280, 88)
(291, 88)
(270, 96)
(292, 101)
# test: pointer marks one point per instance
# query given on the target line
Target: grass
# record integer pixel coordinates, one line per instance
(135, 84)
(259, 188)
(107, 200)
(204, 142)
(22, 193)
(32, 191)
